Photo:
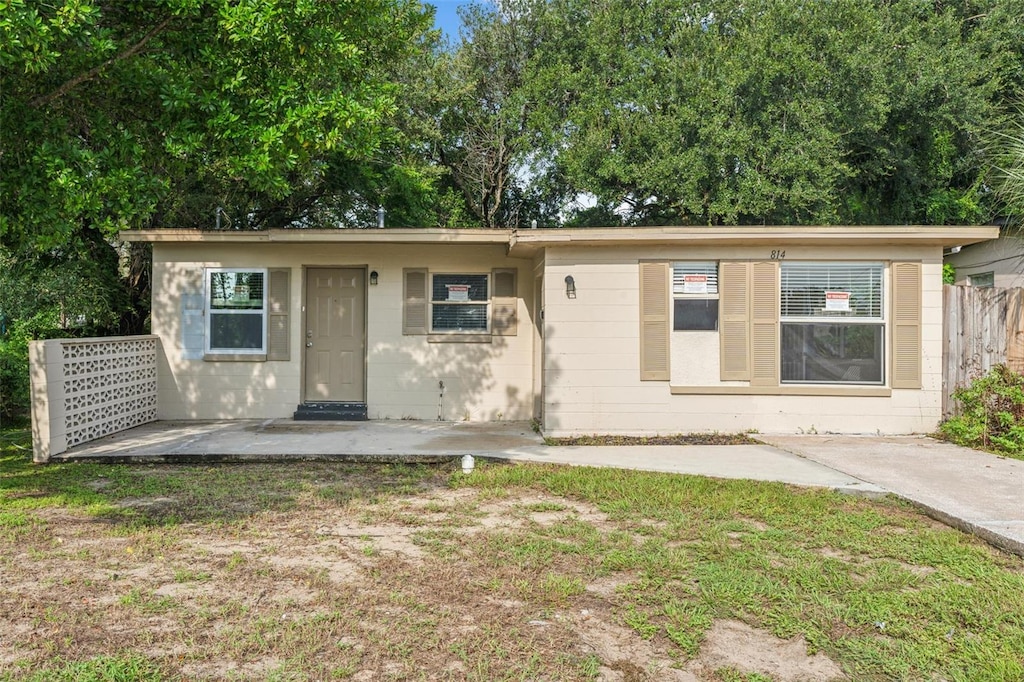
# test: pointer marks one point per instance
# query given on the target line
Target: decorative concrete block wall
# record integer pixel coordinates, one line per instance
(84, 389)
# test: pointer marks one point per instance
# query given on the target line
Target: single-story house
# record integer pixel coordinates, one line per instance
(995, 263)
(626, 331)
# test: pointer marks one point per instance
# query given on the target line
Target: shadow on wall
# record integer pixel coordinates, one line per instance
(414, 379)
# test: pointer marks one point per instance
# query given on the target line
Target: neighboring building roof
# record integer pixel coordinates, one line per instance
(525, 242)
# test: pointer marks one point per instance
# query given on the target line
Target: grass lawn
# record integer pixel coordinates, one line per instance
(317, 571)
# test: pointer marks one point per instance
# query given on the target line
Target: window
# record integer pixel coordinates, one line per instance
(832, 323)
(459, 303)
(695, 296)
(236, 311)
(982, 279)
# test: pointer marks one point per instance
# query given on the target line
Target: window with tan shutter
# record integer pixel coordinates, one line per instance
(278, 314)
(695, 296)
(832, 325)
(654, 322)
(414, 304)
(734, 324)
(236, 311)
(906, 323)
(504, 303)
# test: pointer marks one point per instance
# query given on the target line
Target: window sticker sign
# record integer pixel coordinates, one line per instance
(458, 292)
(838, 301)
(695, 284)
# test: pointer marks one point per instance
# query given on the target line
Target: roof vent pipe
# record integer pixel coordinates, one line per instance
(380, 216)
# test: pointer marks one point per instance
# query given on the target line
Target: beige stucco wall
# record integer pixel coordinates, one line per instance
(592, 358)
(482, 380)
(1004, 257)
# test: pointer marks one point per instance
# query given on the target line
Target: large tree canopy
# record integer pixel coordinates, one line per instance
(772, 111)
(141, 113)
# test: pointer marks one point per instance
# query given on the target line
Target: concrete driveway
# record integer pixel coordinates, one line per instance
(975, 491)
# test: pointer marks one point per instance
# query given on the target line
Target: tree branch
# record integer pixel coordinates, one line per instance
(94, 71)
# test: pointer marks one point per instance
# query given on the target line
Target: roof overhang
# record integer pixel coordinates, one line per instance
(527, 242)
(385, 235)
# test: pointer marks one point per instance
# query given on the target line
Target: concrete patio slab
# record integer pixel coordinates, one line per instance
(421, 441)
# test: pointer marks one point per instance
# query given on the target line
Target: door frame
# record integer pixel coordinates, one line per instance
(302, 329)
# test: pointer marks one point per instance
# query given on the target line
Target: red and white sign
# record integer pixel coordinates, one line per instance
(695, 284)
(458, 292)
(837, 300)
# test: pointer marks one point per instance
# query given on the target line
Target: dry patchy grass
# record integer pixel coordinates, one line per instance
(372, 572)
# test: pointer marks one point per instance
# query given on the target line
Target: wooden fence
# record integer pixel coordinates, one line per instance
(983, 327)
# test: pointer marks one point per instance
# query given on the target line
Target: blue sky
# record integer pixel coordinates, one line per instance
(446, 18)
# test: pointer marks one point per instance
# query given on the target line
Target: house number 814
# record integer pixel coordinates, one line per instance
(778, 255)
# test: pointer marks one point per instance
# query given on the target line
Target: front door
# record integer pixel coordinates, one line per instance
(335, 324)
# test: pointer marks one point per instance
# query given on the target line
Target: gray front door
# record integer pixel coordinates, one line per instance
(335, 334)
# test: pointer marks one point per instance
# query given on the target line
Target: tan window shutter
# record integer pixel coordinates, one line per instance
(764, 327)
(734, 325)
(278, 305)
(504, 303)
(654, 322)
(414, 308)
(906, 325)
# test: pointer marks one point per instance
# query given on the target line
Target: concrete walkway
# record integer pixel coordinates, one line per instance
(976, 492)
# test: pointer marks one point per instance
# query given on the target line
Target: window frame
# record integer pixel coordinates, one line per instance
(487, 303)
(680, 267)
(982, 280)
(210, 313)
(880, 321)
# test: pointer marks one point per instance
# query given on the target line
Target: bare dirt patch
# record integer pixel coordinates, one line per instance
(733, 644)
(434, 583)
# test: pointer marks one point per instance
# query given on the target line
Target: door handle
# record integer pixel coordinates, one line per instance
(309, 344)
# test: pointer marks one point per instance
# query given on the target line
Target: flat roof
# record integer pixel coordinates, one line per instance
(386, 235)
(525, 242)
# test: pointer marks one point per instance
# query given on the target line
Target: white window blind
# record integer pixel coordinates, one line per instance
(693, 277)
(845, 290)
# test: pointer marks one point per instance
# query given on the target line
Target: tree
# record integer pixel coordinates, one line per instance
(142, 114)
(481, 113)
(155, 113)
(772, 112)
(1008, 166)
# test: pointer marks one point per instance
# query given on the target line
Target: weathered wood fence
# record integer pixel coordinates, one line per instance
(983, 327)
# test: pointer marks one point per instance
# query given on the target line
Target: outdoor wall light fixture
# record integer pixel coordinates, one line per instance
(570, 287)
(373, 278)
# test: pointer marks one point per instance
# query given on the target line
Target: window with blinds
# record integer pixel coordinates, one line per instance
(236, 308)
(697, 278)
(695, 296)
(832, 323)
(831, 290)
(459, 303)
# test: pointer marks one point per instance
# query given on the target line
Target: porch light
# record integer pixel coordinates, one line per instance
(570, 287)
(373, 278)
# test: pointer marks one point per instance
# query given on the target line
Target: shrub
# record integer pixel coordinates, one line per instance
(991, 412)
(14, 380)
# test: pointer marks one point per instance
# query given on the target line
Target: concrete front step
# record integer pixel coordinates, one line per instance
(346, 412)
